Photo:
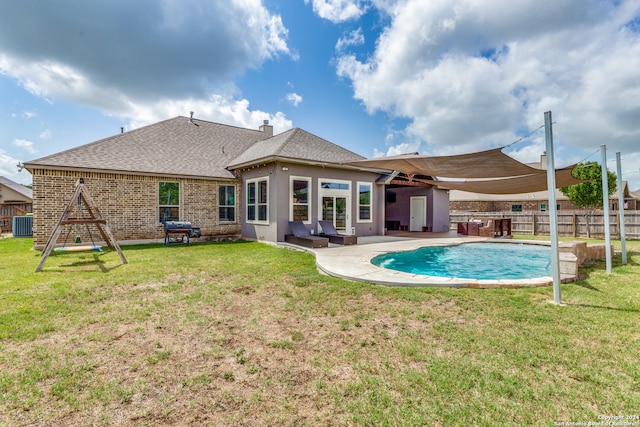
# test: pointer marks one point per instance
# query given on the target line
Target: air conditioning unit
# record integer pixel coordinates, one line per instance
(22, 226)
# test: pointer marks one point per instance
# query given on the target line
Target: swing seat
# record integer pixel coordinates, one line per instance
(79, 249)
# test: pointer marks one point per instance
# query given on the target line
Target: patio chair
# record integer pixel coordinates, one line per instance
(330, 231)
(302, 237)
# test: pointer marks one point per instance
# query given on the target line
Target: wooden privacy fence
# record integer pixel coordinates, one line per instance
(569, 223)
(8, 211)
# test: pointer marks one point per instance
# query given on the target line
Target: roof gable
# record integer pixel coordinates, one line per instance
(18, 188)
(295, 144)
(176, 147)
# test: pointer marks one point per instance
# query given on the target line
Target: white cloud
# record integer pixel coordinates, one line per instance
(27, 145)
(9, 169)
(216, 108)
(474, 75)
(403, 148)
(338, 10)
(630, 166)
(354, 38)
(45, 134)
(26, 114)
(173, 48)
(294, 98)
(203, 46)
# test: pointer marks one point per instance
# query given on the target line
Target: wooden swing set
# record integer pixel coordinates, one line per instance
(74, 214)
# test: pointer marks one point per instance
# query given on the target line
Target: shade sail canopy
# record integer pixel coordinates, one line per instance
(513, 185)
(487, 172)
(484, 164)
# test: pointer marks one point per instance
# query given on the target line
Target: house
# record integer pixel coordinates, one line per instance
(634, 200)
(15, 200)
(229, 181)
(462, 201)
(537, 201)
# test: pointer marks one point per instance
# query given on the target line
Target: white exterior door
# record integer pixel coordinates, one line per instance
(335, 203)
(336, 209)
(418, 213)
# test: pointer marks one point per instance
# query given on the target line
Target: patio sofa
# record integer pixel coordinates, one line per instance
(301, 236)
(329, 231)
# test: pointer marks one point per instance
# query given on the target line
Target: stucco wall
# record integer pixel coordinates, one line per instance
(506, 206)
(437, 214)
(440, 211)
(280, 173)
(129, 203)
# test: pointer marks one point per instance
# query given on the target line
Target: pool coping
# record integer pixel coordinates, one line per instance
(353, 262)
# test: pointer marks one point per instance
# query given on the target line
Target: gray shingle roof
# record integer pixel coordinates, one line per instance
(177, 147)
(171, 147)
(18, 188)
(295, 144)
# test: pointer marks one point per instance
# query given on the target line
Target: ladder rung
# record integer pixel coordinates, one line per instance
(83, 221)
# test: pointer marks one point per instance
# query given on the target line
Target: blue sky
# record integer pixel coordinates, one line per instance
(379, 77)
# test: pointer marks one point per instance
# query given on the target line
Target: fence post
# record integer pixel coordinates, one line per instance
(520, 220)
(533, 225)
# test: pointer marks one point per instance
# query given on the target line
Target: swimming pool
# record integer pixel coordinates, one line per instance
(480, 261)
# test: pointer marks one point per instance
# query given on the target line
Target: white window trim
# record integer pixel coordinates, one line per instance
(339, 181)
(370, 220)
(255, 180)
(309, 196)
(330, 192)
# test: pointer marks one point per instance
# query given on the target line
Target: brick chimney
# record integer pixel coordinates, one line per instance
(266, 129)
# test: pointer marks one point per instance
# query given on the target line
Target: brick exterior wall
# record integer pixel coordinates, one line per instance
(527, 206)
(130, 205)
(471, 206)
(501, 206)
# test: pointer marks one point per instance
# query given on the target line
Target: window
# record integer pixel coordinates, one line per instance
(227, 203)
(257, 196)
(364, 202)
(543, 207)
(334, 185)
(169, 201)
(516, 208)
(300, 190)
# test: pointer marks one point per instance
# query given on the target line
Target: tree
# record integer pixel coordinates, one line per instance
(588, 195)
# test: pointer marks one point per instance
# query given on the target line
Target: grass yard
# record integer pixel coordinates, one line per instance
(249, 334)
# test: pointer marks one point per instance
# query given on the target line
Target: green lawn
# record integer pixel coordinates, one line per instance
(249, 334)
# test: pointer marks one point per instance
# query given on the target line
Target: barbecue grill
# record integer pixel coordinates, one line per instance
(179, 232)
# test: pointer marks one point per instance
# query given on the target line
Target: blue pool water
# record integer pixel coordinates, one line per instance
(481, 261)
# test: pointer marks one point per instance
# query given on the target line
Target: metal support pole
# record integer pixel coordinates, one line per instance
(553, 211)
(605, 207)
(623, 240)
